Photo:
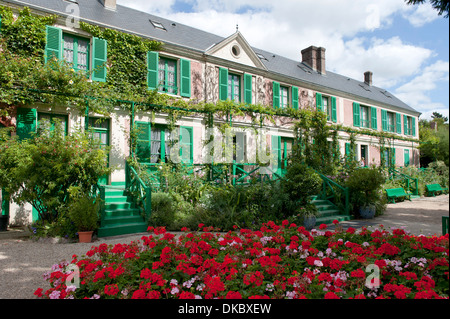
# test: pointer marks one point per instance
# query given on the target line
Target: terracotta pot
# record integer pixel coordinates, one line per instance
(85, 236)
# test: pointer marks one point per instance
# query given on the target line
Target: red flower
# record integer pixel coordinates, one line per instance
(111, 290)
(139, 294)
(359, 273)
(186, 295)
(154, 294)
(38, 292)
(323, 226)
(335, 222)
(331, 295)
(233, 295)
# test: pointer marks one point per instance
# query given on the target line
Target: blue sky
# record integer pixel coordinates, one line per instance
(406, 47)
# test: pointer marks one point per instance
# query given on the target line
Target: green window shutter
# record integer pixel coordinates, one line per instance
(186, 145)
(333, 109)
(374, 118)
(276, 95)
(99, 57)
(53, 45)
(295, 97)
(398, 124)
(406, 160)
(26, 122)
(356, 114)
(384, 120)
(319, 102)
(405, 124)
(223, 84)
(276, 152)
(248, 88)
(347, 149)
(413, 126)
(152, 70)
(143, 142)
(185, 81)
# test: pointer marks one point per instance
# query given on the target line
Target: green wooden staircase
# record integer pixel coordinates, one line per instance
(328, 211)
(120, 215)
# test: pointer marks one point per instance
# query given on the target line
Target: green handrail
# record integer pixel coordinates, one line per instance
(407, 179)
(138, 188)
(328, 184)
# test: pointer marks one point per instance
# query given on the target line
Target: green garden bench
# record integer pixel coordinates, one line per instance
(395, 193)
(432, 189)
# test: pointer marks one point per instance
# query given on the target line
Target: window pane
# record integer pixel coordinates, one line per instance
(171, 81)
(68, 48)
(364, 116)
(284, 97)
(82, 54)
(161, 74)
(155, 145)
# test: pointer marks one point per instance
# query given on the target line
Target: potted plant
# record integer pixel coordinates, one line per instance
(308, 214)
(83, 211)
(365, 185)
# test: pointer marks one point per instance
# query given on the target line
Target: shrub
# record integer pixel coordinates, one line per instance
(163, 210)
(366, 187)
(301, 182)
(41, 170)
(83, 210)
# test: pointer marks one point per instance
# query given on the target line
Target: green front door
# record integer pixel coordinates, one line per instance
(281, 150)
(100, 132)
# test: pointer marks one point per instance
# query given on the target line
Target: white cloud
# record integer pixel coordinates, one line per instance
(285, 27)
(390, 60)
(418, 92)
(421, 15)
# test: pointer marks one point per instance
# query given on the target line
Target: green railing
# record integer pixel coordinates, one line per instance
(335, 193)
(141, 192)
(241, 176)
(235, 174)
(444, 225)
(410, 184)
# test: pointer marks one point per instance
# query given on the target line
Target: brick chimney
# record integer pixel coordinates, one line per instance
(110, 4)
(368, 77)
(314, 57)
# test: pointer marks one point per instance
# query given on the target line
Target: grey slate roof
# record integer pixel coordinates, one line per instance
(134, 21)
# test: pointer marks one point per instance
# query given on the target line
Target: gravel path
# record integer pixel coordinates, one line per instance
(23, 261)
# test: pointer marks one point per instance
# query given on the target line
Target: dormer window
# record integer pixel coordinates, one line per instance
(157, 25)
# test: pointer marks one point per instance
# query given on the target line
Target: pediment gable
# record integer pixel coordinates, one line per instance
(236, 49)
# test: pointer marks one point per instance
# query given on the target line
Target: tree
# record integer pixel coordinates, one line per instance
(434, 144)
(40, 170)
(439, 118)
(441, 6)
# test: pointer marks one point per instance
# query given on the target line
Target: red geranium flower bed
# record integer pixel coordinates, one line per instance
(277, 262)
